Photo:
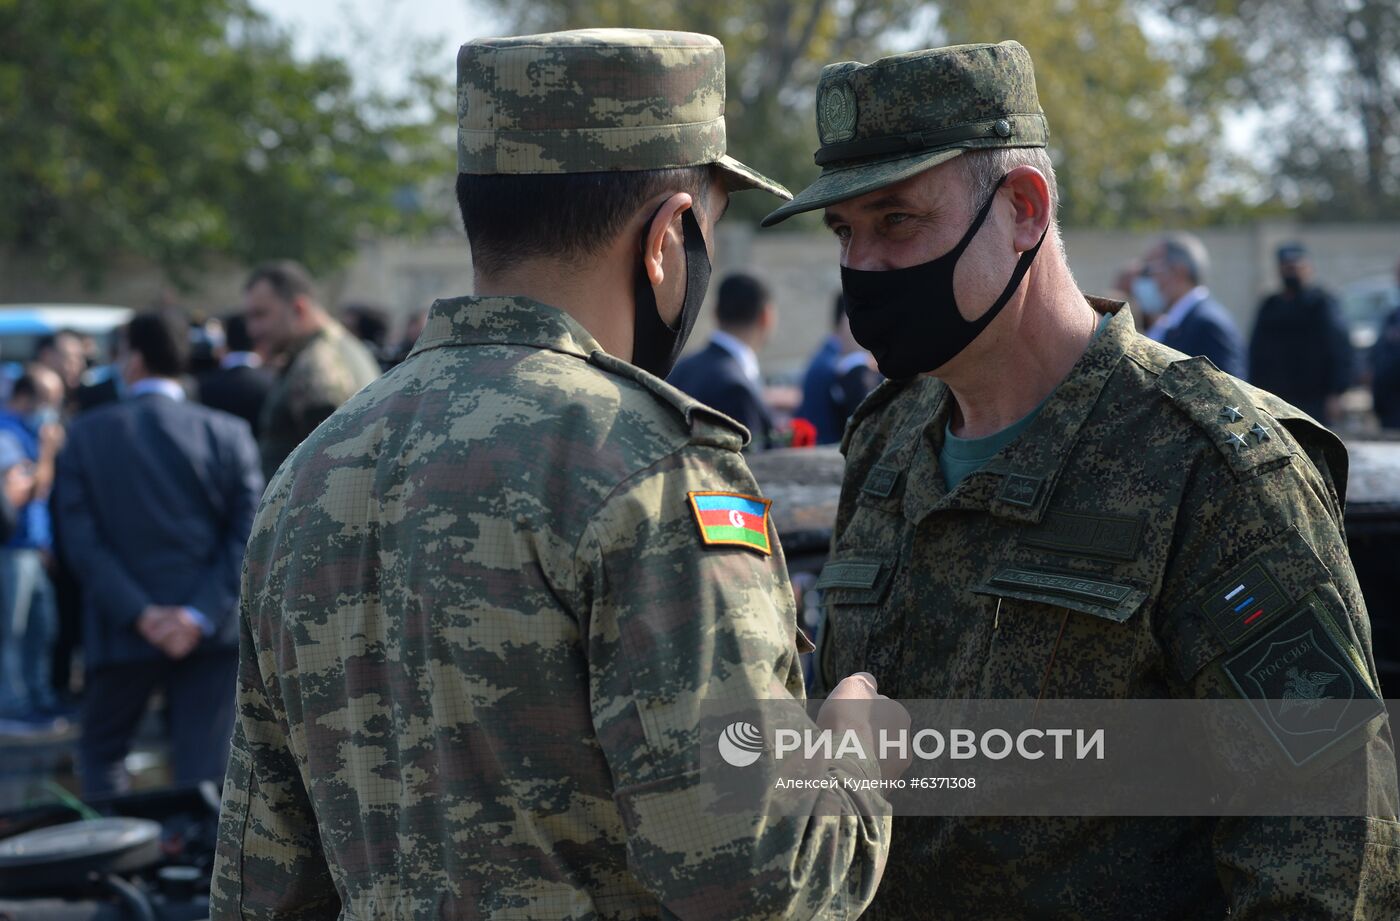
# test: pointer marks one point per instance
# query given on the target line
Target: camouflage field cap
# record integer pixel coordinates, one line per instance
(595, 100)
(883, 122)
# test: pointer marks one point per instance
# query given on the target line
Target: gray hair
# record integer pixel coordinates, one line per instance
(984, 168)
(1186, 251)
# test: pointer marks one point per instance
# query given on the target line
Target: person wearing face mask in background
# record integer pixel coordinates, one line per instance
(1172, 291)
(1042, 503)
(484, 599)
(30, 437)
(1301, 349)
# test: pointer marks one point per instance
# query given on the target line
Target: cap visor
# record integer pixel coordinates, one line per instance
(742, 177)
(838, 183)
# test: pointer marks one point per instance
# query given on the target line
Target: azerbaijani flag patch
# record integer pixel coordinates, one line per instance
(727, 518)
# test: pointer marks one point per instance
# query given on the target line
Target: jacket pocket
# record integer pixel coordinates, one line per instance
(853, 586)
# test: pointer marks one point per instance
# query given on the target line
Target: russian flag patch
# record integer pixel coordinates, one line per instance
(730, 518)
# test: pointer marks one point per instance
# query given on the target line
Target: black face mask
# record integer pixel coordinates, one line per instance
(656, 346)
(909, 318)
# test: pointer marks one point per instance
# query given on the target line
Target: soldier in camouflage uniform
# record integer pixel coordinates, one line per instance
(1042, 503)
(323, 364)
(485, 601)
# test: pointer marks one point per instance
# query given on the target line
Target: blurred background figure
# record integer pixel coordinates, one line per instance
(856, 376)
(206, 345)
(725, 375)
(413, 328)
(370, 325)
(31, 435)
(1385, 366)
(16, 486)
(321, 363)
(1301, 348)
(156, 498)
(836, 380)
(64, 353)
(240, 384)
(1124, 288)
(1173, 291)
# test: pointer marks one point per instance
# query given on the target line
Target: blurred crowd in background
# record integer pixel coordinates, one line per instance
(133, 460)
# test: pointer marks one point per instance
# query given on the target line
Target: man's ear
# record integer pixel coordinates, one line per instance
(662, 233)
(1030, 195)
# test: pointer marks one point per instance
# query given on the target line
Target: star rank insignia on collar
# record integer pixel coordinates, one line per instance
(1230, 414)
(1237, 441)
(1261, 433)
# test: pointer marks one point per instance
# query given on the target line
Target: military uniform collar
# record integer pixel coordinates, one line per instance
(1018, 482)
(503, 321)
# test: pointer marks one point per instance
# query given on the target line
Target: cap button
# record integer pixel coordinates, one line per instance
(1002, 128)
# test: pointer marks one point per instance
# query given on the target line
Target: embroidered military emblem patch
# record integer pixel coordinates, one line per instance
(836, 112)
(1020, 490)
(880, 482)
(732, 519)
(1303, 686)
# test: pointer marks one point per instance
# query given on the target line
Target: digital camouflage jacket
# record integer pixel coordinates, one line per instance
(1097, 556)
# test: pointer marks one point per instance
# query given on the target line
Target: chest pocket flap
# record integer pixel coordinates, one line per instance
(854, 580)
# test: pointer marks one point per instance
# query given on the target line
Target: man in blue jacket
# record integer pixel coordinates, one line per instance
(156, 497)
(30, 437)
(1188, 319)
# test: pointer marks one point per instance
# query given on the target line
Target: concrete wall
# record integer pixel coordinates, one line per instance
(406, 275)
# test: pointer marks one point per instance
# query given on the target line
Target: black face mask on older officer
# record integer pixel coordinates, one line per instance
(909, 318)
(655, 345)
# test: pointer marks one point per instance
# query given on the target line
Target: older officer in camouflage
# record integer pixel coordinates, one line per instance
(485, 600)
(1041, 503)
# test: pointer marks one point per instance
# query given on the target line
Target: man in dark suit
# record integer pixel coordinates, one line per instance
(1385, 365)
(1186, 318)
(1301, 347)
(241, 384)
(156, 497)
(725, 374)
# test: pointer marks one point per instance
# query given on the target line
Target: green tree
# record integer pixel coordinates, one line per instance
(1324, 75)
(1129, 148)
(177, 129)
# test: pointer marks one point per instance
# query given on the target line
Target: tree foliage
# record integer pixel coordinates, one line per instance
(1129, 149)
(1324, 75)
(176, 129)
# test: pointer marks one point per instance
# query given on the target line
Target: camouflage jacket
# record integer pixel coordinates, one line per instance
(1091, 558)
(321, 373)
(478, 624)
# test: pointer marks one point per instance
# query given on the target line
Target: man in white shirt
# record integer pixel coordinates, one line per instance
(725, 374)
(1172, 287)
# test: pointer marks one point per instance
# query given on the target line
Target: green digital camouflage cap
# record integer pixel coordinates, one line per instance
(595, 100)
(883, 122)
